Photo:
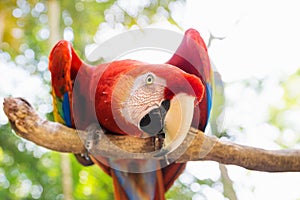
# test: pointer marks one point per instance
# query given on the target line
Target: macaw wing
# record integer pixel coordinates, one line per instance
(192, 57)
(63, 65)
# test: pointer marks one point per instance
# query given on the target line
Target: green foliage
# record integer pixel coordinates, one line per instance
(31, 172)
(27, 171)
(285, 115)
(83, 17)
(179, 191)
(91, 182)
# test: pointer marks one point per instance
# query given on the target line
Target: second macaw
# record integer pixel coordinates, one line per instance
(137, 99)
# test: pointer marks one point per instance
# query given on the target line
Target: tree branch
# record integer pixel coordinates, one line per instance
(197, 146)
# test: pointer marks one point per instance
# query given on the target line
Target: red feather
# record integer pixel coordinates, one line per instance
(192, 57)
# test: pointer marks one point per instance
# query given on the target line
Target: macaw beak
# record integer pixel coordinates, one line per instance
(178, 121)
(173, 119)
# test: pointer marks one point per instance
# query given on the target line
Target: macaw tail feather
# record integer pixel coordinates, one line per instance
(142, 186)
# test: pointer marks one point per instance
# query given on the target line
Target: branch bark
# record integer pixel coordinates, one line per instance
(197, 146)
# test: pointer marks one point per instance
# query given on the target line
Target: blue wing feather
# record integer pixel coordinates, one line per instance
(209, 99)
(66, 110)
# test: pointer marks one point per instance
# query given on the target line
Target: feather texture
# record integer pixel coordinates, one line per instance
(191, 57)
(63, 65)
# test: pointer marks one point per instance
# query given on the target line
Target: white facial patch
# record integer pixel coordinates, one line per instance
(146, 94)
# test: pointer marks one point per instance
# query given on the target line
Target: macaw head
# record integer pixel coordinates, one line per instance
(164, 99)
(157, 99)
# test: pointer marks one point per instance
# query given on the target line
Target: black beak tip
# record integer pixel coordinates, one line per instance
(153, 122)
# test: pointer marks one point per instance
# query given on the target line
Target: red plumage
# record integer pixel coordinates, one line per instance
(93, 94)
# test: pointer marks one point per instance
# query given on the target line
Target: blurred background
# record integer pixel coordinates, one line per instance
(254, 44)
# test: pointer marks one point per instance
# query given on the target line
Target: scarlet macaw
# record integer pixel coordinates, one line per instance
(135, 98)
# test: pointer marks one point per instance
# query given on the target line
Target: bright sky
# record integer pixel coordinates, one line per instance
(262, 37)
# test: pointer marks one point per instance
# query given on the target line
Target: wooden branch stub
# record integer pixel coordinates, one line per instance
(27, 124)
(197, 146)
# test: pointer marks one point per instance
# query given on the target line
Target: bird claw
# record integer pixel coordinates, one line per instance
(94, 134)
(163, 153)
(160, 153)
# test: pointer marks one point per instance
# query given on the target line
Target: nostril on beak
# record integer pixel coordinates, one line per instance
(152, 123)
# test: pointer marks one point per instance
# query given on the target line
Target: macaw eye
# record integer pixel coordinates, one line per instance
(149, 79)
